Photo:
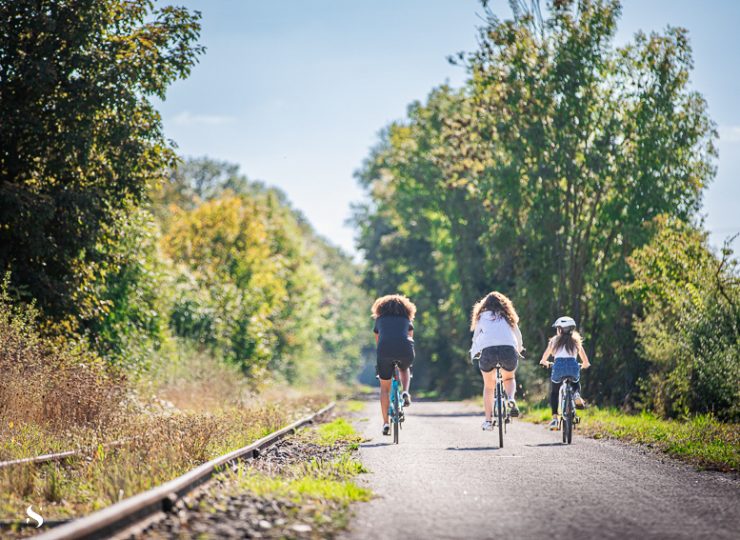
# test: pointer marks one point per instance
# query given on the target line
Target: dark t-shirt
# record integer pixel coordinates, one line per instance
(393, 336)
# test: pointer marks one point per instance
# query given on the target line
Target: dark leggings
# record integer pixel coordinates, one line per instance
(555, 394)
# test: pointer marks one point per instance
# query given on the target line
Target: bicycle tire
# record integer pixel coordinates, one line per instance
(500, 415)
(396, 417)
(562, 417)
(568, 427)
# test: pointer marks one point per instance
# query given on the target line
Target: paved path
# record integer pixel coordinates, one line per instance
(447, 479)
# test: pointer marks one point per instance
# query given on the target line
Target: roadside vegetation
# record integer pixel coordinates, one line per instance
(700, 440)
(568, 173)
(301, 487)
(157, 445)
(160, 302)
(325, 483)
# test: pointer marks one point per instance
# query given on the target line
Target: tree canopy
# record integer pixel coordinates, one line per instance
(536, 179)
(253, 280)
(81, 142)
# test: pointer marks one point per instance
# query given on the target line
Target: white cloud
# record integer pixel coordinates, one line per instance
(729, 134)
(186, 118)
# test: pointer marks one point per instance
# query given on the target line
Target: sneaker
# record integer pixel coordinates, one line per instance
(386, 429)
(580, 402)
(553, 425)
(513, 409)
(487, 425)
(406, 399)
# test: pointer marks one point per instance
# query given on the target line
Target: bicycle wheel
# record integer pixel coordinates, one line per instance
(396, 417)
(500, 415)
(568, 417)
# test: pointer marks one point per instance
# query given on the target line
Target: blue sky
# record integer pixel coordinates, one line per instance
(296, 91)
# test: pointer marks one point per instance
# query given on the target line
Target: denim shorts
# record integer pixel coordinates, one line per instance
(565, 367)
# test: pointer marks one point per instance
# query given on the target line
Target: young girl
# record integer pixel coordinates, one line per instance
(394, 336)
(565, 346)
(497, 338)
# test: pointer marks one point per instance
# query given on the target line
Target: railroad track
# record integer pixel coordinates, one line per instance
(137, 512)
(61, 456)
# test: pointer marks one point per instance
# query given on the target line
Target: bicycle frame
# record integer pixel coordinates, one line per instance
(395, 405)
(568, 417)
(501, 413)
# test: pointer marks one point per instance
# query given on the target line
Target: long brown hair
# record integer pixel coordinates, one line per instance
(498, 304)
(394, 304)
(569, 339)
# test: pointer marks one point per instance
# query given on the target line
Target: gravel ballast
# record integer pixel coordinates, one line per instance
(224, 509)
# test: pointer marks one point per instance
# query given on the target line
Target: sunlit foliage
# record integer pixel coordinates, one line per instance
(687, 322)
(81, 142)
(535, 179)
(254, 282)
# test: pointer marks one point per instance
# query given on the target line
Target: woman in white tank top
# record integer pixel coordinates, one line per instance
(496, 340)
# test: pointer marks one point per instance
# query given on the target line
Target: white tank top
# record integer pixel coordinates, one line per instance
(491, 331)
(562, 352)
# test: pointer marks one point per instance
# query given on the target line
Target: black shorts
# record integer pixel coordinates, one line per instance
(505, 355)
(384, 365)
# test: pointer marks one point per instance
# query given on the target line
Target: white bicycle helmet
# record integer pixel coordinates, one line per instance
(564, 322)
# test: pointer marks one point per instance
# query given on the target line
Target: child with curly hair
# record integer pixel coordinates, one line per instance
(394, 336)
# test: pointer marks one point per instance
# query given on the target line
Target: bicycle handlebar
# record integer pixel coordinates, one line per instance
(550, 364)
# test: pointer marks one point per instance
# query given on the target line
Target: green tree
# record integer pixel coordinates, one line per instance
(535, 179)
(687, 321)
(255, 282)
(126, 314)
(81, 141)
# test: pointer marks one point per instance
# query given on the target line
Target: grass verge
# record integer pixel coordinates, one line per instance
(702, 440)
(337, 431)
(321, 489)
(312, 481)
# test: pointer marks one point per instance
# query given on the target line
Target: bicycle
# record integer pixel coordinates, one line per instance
(568, 417)
(501, 412)
(395, 407)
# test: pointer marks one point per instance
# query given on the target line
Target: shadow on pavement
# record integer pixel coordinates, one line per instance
(546, 444)
(443, 415)
(375, 445)
(472, 448)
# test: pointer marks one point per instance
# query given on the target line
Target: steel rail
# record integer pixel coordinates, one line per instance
(125, 514)
(62, 456)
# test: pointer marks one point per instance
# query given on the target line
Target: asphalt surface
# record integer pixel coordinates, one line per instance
(448, 479)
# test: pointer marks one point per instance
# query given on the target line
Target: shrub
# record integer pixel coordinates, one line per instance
(52, 382)
(688, 324)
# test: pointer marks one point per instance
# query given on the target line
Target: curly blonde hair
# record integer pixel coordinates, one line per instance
(496, 303)
(394, 304)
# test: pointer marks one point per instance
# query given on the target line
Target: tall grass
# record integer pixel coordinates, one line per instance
(57, 395)
(49, 387)
(161, 445)
(701, 440)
